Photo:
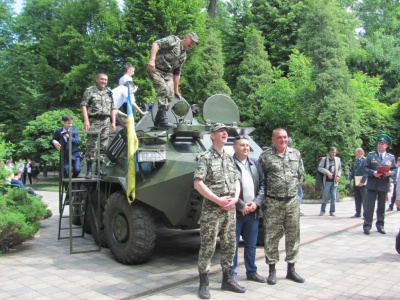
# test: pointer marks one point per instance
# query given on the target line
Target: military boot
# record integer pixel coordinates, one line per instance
(204, 293)
(161, 120)
(292, 275)
(272, 275)
(229, 283)
(89, 170)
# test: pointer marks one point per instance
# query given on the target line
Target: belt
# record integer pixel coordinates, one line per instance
(99, 117)
(281, 198)
(222, 195)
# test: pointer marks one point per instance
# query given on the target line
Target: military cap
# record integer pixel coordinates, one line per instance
(385, 139)
(218, 126)
(193, 36)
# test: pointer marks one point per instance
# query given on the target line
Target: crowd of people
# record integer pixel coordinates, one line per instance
(237, 189)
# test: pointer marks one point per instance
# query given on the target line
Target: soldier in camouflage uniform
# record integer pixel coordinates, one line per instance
(217, 180)
(97, 107)
(164, 69)
(283, 169)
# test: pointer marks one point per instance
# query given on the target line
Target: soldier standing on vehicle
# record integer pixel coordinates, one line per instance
(283, 171)
(217, 180)
(97, 107)
(164, 69)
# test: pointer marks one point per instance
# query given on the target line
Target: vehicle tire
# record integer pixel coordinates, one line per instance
(79, 208)
(98, 236)
(260, 236)
(130, 230)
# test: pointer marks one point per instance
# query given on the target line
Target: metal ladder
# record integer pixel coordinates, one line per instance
(77, 198)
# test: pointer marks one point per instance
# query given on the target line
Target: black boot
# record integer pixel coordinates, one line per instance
(89, 170)
(291, 274)
(161, 120)
(272, 275)
(229, 283)
(204, 293)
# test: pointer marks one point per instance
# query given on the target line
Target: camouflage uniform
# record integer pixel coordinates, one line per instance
(219, 173)
(283, 175)
(169, 60)
(99, 105)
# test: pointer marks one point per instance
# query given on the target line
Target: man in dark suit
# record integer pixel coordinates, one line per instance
(360, 190)
(62, 135)
(378, 184)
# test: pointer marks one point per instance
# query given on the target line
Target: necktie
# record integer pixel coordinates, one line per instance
(380, 155)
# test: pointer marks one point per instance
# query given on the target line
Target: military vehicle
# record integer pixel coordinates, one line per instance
(166, 160)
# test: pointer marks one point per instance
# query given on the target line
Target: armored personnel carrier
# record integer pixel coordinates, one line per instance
(166, 160)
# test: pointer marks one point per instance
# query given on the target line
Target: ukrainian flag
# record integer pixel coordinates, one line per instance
(133, 145)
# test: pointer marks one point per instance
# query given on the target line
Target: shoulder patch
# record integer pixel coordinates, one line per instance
(200, 165)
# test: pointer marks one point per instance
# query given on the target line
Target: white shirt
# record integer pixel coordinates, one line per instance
(124, 79)
(120, 94)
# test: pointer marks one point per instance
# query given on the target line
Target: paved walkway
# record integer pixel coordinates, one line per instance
(337, 260)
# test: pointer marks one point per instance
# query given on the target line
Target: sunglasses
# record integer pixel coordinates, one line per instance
(241, 136)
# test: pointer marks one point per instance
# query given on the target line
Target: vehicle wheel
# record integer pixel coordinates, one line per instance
(130, 230)
(79, 205)
(98, 236)
(260, 236)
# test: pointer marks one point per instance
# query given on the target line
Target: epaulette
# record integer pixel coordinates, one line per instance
(110, 93)
(390, 154)
(200, 155)
(90, 87)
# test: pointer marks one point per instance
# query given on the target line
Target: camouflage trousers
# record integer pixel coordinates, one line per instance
(91, 146)
(163, 83)
(216, 221)
(281, 218)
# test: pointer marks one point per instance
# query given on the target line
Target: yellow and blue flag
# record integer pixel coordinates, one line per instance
(133, 145)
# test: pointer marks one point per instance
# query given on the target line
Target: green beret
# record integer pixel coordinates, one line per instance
(385, 139)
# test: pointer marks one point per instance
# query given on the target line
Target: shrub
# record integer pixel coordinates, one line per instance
(20, 214)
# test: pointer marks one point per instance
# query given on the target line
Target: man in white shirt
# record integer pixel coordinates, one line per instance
(129, 71)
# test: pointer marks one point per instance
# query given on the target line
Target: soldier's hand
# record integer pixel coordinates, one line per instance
(151, 66)
(230, 202)
(113, 127)
(376, 174)
(178, 95)
(86, 125)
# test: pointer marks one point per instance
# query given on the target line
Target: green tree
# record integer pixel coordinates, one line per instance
(280, 22)
(232, 21)
(285, 99)
(255, 71)
(208, 71)
(38, 133)
(324, 39)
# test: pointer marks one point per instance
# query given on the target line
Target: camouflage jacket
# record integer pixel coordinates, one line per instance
(171, 55)
(218, 171)
(98, 102)
(283, 173)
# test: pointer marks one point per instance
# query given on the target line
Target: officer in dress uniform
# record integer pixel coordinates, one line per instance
(378, 184)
